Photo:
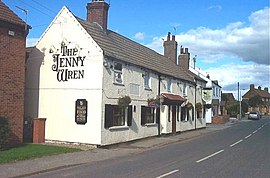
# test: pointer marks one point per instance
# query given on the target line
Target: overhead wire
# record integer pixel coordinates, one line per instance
(37, 8)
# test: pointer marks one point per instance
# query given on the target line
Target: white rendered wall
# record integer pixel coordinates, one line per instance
(132, 75)
(57, 98)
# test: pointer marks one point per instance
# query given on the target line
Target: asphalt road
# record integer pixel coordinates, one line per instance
(242, 150)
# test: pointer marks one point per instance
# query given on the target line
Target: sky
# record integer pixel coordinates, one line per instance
(230, 38)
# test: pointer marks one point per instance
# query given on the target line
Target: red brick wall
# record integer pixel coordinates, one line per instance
(220, 119)
(12, 79)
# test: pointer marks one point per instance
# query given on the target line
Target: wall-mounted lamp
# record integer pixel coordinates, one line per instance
(106, 64)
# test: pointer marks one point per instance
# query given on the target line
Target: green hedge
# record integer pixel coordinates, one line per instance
(4, 132)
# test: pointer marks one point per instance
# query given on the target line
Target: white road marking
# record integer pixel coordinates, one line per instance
(236, 143)
(207, 157)
(167, 174)
(255, 131)
(248, 136)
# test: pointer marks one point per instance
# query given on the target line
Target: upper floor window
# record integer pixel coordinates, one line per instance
(184, 89)
(147, 80)
(118, 73)
(169, 85)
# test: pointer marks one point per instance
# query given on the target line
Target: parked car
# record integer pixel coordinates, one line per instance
(254, 115)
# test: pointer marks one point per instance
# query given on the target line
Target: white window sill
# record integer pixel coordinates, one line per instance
(150, 124)
(124, 127)
(120, 84)
(148, 88)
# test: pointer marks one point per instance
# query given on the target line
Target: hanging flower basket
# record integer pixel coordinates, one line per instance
(189, 105)
(124, 101)
(154, 102)
(198, 106)
(208, 106)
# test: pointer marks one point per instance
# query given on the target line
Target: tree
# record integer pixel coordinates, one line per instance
(233, 109)
(255, 101)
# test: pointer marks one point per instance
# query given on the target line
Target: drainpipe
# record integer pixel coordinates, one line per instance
(158, 114)
(195, 106)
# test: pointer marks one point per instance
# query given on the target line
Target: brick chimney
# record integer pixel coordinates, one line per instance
(251, 88)
(259, 87)
(170, 48)
(184, 58)
(97, 12)
(266, 89)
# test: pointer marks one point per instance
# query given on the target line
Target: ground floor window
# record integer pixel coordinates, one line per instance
(147, 115)
(184, 114)
(117, 116)
(187, 114)
(199, 114)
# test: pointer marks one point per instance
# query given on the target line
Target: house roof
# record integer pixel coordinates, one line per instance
(262, 93)
(228, 96)
(197, 77)
(119, 47)
(9, 16)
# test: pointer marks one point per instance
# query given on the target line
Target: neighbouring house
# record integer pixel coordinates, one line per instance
(228, 98)
(13, 32)
(211, 95)
(99, 87)
(200, 106)
(264, 108)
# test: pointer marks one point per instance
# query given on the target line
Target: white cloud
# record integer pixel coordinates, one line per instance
(229, 74)
(237, 41)
(31, 42)
(249, 43)
(215, 7)
(139, 36)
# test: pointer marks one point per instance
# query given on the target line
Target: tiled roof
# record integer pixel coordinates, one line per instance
(197, 77)
(262, 93)
(229, 97)
(173, 97)
(8, 15)
(122, 48)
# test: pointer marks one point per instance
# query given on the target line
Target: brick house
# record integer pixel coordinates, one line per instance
(78, 81)
(263, 93)
(13, 32)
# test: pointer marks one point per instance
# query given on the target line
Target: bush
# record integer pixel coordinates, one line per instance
(4, 132)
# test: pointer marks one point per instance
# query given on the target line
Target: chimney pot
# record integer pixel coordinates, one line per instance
(266, 89)
(169, 36)
(186, 50)
(259, 87)
(173, 38)
(251, 87)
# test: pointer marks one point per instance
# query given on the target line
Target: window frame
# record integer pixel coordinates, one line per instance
(169, 85)
(118, 72)
(145, 116)
(185, 89)
(147, 80)
(111, 115)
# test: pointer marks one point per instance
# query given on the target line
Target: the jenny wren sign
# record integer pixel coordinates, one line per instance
(68, 64)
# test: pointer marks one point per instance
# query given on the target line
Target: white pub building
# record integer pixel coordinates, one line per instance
(95, 86)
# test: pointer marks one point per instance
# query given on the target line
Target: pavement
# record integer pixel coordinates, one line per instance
(54, 162)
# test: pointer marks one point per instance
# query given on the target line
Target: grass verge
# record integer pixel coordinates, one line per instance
(29, 151)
